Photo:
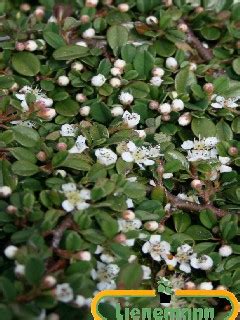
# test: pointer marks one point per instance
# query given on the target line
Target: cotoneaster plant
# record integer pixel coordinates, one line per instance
(119, 152)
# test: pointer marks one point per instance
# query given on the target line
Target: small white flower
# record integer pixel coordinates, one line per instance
(129, 225)
(120, 63)
(64, 293)
(106, 275)
(142, 156)
(184, 256)
(62, 173)
(75, 198)
(156, 81)
(171, 63)
(68, 130)
(206, 286)
(115, 82)
(129, 203)
(131, 119)
(165, 108)
(204, 262)
(156, 248)
(221, 102)
(85, 111)
(5, 191)
(126, 98)
(146, 272)
(81, 301)
(106, 156)
(117, 111)
(63, 81)
(10, 252)
(202, 149)
(225, 251)
(223, 167)
(80, 145)
(88, 34)
(177, 105)
(99, 80)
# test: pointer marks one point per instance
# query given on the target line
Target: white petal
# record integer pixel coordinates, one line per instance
(67, 206)
(185, 267)
(155, 256)
(154, 239)
(127, 156)
(146, 247)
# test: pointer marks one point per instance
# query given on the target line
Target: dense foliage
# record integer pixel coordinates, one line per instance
(119, 151)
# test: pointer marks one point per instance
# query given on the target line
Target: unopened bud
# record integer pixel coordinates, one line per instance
(221, 287)
(120, 238)
(151, 225)
(165, 117)
(233, 151)
(189, 285)
(128, 215)
(199, 10)
(185, 119)
(53, 316)
(84, 111)
(5, 191)
(39, 13)
(49, 282)
(11, 209)
(161, 228)
(238, 44)
(41, 156)
(80, 97)
(183, 27)
(20, 46)
(62, 146)
(196, 184)
(25, 7)
(10, 252)
(153, 105)
(208, 88)
(83, 256)
(123, 7)
(47, 113)
(84, 19)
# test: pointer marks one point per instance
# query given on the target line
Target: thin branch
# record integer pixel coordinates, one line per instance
(58, 233)
(193, 207)
(205, 53)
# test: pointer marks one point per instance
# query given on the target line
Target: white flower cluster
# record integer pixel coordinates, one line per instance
(131, 119)
(143, 156)
(221, 102)
(202, 149)
(105, 274)
(80, 145)
(31, 45)
(76, 199)
(157, 74)
(185, 257)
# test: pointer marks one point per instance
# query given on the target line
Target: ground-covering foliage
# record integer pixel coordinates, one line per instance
(119, 151)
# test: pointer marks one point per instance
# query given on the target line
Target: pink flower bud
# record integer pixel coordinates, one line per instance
(189, 285)
(120, 238)
(47, 113)
(196, 184)
(49, 282)
(11, 209)
(20, 46)
(183, 27)
(84, 19)
(153, 105)
(61, 146)
(128, 215)
(151, 225)
(233, 151)
(39, 13)
(41, 156)
(84, 256)
(208, 88)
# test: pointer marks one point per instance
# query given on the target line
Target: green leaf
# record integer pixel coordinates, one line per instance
(34, 270)
(23, 154)
(26, 63)
(199, 233)
(184, 80)
(134, 190)
(6, 82)
(210, 33)
(24, 168)
(205, 247)
(208, 218)
(7, 289)
(100, 112)
(164, 48)
(27, 137)
(130, 276)
(108, 225)
(236, 65)
(67, 107)
(182, 221)
(224, 132)
(143, 63)
(75, 161)
(73, 241)
(53, 39)
(236, 125)
(203, 127)
(117, 36)
(128, 53)
(139, 89)
(70, 52)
